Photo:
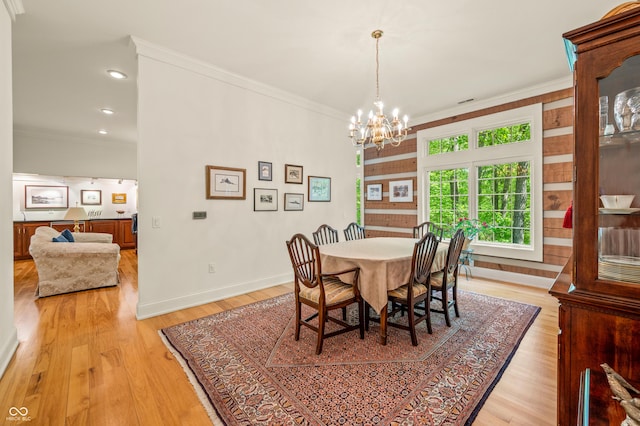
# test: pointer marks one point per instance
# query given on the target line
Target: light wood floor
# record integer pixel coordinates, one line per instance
(84, 359)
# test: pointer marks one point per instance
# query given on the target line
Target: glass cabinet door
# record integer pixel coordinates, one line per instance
(619, 174)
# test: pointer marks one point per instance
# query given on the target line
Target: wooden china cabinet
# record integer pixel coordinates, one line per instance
(599, 290)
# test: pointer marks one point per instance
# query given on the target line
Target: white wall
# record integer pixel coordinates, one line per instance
(191, 115)
(65, 155)
(8, 334)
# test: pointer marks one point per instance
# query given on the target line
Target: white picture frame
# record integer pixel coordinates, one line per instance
(401, 191)
(374, 192)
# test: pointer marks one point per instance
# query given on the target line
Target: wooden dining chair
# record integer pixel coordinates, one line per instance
(424, 227)
(325, 235)
(447, 279)
(416, 291)
(354, 232)
(322, 292)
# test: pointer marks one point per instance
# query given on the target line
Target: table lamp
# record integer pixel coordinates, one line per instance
(76, 214)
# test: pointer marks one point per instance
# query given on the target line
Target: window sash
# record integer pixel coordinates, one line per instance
(474, 157)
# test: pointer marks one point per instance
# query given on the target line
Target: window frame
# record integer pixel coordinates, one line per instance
(497, 154)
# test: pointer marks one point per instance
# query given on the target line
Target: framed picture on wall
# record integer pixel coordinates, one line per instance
(46, 197)
(264, 170)
(319, 188)
(119, 198)
(293, 202)
(401, 191)
(225, 183)
(374, 192)
(90, 197)
(292, 174)
(265, 200)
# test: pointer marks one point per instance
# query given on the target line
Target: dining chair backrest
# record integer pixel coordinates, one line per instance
(424, 252)
(354, 232)
(305, 259)
(424, 227)
(325, 235)
(455, 249)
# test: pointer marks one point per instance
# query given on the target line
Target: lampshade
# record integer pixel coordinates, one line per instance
(76, 213)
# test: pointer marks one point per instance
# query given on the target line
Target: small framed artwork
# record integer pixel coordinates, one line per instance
(401, 191)
(264, 170)
(265, 200)
(293, 202)
(90, 197)
(319, 188)
(46, 197)
(292, 174)
(225, 183)
(374, 192)
(119, 198)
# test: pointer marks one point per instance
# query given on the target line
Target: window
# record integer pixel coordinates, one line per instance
(487, 168)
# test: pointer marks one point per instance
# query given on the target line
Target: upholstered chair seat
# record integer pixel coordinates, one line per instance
(437, 278)
(402, 292)
(335, 291)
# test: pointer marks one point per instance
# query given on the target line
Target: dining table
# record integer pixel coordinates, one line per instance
(385, 264)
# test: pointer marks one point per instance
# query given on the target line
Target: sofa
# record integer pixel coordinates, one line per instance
(91, 261)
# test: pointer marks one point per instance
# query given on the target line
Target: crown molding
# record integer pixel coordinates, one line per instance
(14, 7)
(171, 57)
(540, 89)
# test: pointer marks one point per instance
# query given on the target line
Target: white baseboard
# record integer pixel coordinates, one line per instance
(148, 310)
(512, 277)
(8, 349)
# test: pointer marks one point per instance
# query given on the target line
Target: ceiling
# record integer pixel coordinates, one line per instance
(433, 53)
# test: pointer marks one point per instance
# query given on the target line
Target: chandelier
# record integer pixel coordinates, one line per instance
(378, 130)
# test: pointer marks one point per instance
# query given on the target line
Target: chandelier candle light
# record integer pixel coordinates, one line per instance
(378, 129)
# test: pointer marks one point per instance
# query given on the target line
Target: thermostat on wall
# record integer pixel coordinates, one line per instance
(199, 215)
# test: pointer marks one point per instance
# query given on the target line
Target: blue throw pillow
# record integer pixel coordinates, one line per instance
(59, 239)
(68, 235)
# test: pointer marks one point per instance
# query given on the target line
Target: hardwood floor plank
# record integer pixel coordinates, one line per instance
(78, 399)
(84, 358)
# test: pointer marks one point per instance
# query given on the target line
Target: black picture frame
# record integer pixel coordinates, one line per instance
(265, 200)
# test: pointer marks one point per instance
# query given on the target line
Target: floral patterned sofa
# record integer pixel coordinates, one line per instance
(91, 261)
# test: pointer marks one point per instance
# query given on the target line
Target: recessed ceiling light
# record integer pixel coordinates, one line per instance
(102, 131)
(107, 111)
(118, 75)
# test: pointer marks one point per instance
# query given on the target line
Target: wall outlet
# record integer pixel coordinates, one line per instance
(212, 268)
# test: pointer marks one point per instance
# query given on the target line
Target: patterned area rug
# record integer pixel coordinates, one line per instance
(249, 370)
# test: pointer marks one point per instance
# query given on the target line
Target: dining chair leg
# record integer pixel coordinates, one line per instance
(321, 321)
(298, 317)
(361, 314)
(427, 310)
(344, 314)
(445, 305)
(412, 325)
(455, 300)
(366, 316)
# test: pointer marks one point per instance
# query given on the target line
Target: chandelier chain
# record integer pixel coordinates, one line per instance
(377, 70)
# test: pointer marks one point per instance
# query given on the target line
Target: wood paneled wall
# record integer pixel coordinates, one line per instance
(383, 218)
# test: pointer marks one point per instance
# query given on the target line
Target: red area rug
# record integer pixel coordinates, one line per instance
(249, 370)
